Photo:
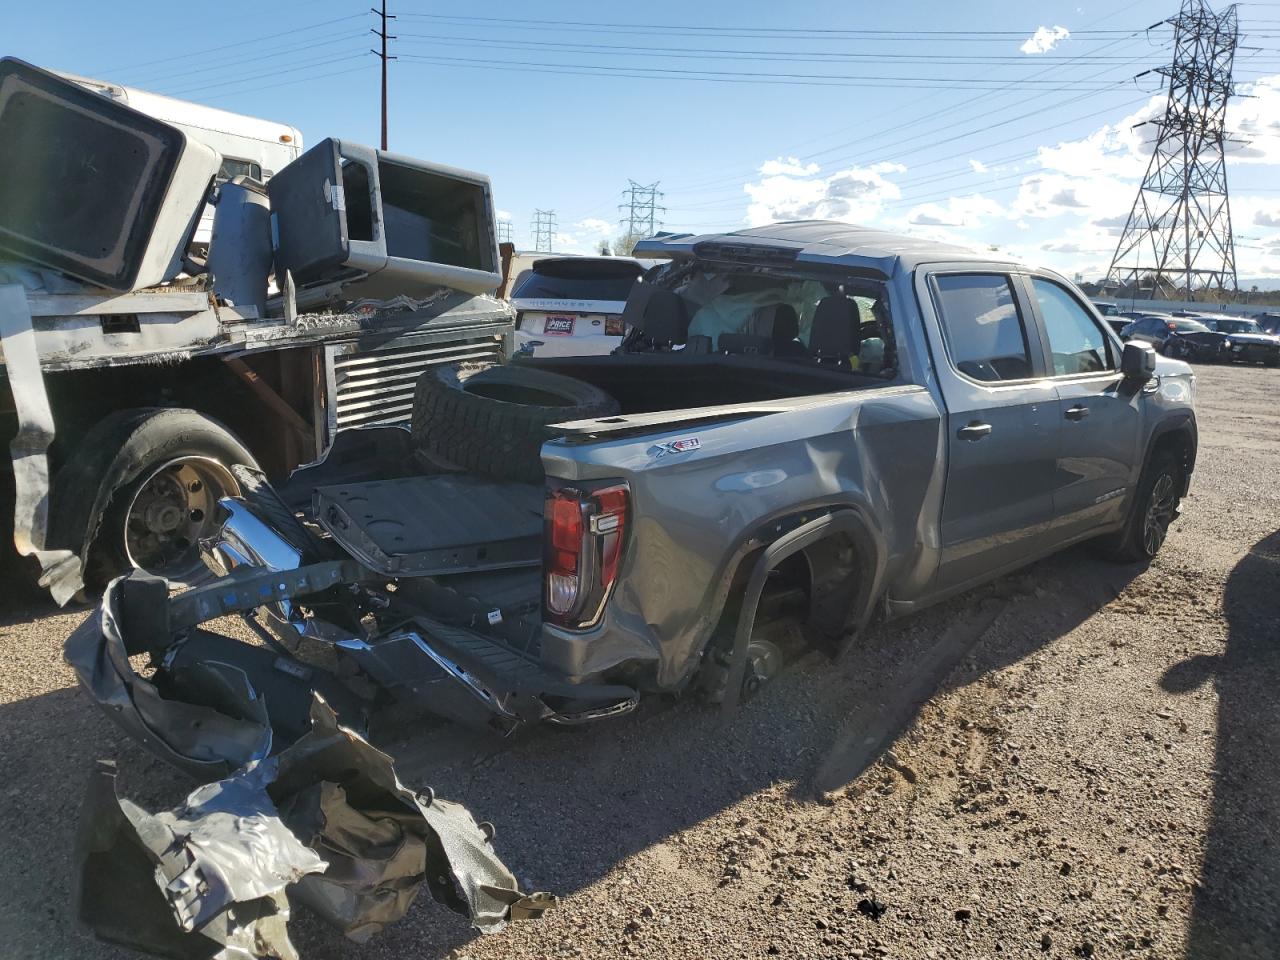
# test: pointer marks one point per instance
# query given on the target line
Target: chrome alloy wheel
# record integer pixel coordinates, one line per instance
(172, 510)
(1161, 505)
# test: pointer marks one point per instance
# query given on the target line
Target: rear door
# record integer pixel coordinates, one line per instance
(1002, 428)
(1100, 425)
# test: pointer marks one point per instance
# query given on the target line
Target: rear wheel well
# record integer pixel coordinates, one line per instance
(814, 588)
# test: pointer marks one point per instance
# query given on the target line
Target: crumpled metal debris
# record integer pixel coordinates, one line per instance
(205, 881)
(341, 795)
(327, 817)
(219, 727)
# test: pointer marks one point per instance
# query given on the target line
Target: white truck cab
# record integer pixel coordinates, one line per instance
(249, 146)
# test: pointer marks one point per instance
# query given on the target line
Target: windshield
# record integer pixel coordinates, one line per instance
(1233, 326)
(1187, 326)
(582, 280)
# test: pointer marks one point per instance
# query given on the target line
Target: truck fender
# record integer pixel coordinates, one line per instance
(1184, 423)
(852, 608)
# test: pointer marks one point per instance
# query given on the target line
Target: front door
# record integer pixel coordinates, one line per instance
(1002, 427)
(1100, 420)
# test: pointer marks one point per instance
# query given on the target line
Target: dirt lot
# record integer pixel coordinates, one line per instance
(1081, 760)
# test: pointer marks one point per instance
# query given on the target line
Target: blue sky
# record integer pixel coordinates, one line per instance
(1015, 134)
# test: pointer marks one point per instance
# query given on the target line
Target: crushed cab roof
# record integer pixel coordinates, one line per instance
(827, 242)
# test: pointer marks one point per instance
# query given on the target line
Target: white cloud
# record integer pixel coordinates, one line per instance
(1066, 209)
(1253, 122)
(787, 166)
(1044, 40)
(585, 236)
(502, 214)
(787, 190)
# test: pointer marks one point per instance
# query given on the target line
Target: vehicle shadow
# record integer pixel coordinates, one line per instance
(1236, 907)
(571, 806)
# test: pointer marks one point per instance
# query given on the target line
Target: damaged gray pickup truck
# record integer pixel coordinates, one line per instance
(808, 423)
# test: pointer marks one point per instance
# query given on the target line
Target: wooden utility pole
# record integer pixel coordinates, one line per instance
(383, 56)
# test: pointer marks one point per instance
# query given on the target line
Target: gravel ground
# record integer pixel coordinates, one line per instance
(1079, 760)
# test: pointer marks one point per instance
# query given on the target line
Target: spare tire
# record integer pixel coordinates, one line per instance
(492, 420)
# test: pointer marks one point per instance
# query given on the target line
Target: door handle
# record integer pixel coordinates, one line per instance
(1078, 412)
(974, 431)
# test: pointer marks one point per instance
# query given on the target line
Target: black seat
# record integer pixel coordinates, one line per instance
(779, 322)
(836, 335)
(658, 317)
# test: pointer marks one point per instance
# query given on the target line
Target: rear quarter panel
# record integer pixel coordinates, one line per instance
(877, 450)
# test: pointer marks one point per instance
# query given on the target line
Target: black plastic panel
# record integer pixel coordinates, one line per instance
(420, 526)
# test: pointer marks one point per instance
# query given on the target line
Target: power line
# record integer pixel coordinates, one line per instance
(727, 76)
(223, 64)
(321, 62)
(205, 51)
(814, 56)
(925, 120)
(675, 29)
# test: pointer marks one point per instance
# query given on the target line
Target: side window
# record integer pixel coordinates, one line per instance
(1077, 343)
(985, 334)
(232, 168)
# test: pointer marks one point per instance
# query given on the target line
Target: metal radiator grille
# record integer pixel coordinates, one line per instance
(375, 386)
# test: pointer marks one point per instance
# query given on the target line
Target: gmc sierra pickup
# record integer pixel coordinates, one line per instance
(810, 423)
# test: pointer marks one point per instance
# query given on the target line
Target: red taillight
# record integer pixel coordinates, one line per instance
(585, 533)
(609, 522)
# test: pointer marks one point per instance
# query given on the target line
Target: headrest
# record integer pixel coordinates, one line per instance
(664, 318)
(777, 321)
(835, 333)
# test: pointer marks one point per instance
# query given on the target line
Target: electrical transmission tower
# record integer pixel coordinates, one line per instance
(640, 203)
(504, 231)
(1178, 236)
(544, 230)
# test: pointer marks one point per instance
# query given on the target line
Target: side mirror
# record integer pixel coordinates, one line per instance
(1138, 362)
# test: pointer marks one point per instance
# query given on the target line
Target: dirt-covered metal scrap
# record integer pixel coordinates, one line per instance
(325, 818)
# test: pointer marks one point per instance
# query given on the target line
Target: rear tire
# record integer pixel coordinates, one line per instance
(1154, 508)
(140, 493)
(492, 420)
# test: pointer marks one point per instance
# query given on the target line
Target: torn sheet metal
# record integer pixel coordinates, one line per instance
(216, 731)
(60, 569)
(204, 881)
(328, 818)
(384, 840)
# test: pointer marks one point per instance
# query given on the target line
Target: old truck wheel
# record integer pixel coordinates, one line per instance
(141, 492)
(172, 509)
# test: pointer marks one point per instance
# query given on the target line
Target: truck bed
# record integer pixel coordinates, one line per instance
(433, 525)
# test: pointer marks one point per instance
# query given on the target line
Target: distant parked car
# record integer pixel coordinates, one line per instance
(1162, 331)
(572, 306)
(1209, 338)
(1105, 307)
(1117, 323)
(1268, 323)
(1242, 340)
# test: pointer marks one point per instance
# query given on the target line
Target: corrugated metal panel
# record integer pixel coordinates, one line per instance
(376, 386)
